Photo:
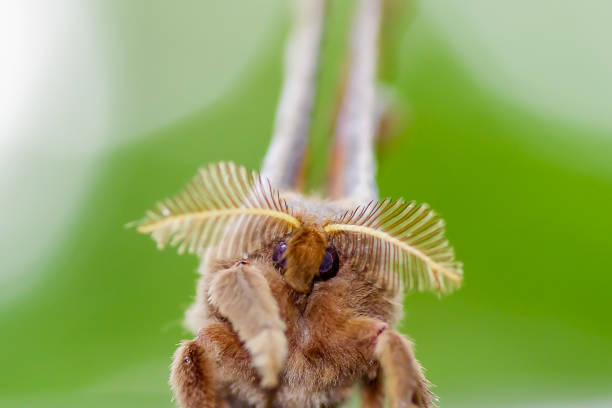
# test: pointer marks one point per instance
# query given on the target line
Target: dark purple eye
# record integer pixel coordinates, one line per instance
(277, 255)
(330, 264)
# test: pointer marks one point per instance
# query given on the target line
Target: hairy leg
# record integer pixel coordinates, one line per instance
(373, 393)
(242, 295)
(406, 385)
(398, 369)
(192, 376)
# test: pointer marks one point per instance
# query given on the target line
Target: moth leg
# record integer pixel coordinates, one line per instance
(242, 295)
(373, 393)
(365, 332)
(192, 376)
(405, 383)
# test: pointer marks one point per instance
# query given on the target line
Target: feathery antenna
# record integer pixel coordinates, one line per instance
(400, 244)
(223, 201)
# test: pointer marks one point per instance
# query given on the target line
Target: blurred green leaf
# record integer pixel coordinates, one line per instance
(532, 322)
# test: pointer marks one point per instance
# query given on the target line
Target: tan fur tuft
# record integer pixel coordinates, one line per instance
(242, 295)
(305, 251)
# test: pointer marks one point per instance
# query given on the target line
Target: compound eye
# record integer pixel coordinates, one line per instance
(277, 255)
(330, 264)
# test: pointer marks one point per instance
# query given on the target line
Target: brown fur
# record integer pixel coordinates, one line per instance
(193, 376)
(311, 346)
(243, 296)
(396, 357)
(372, 395)
(304, 254)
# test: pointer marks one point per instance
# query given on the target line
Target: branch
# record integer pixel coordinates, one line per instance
(284, 158)
(353, 174)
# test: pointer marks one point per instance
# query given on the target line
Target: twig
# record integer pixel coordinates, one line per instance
(354, 167)
(285, 154)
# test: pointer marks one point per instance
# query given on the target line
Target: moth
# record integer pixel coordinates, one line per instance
(298, 295)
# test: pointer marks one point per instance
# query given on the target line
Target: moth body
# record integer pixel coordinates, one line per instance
(330, 329)
(298, 297)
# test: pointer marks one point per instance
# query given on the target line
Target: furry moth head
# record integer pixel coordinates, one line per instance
(234, 212)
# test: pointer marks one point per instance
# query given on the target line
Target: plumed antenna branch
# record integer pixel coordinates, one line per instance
(223, 200)
(401, 244)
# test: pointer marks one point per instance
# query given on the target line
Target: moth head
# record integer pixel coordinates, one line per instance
(234, 213)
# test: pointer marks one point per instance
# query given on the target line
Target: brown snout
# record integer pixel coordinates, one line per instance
(305, 251)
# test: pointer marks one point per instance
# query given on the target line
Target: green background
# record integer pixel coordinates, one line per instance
(526, 193)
